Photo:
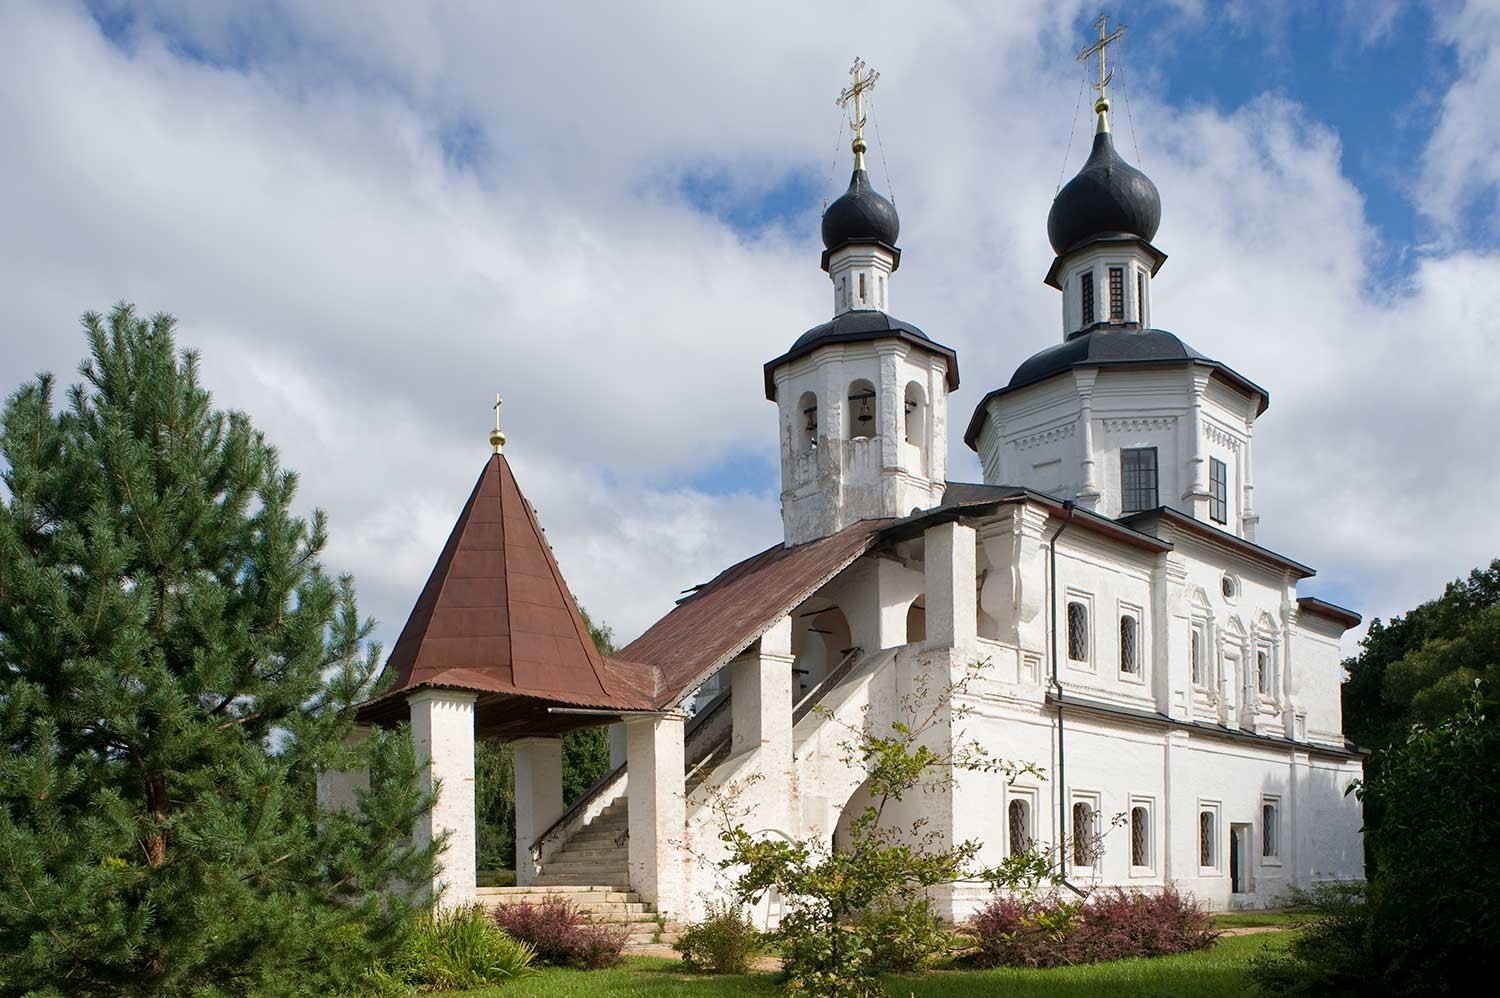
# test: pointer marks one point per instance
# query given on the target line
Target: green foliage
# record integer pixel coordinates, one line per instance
(1419, 666)
(904, 938)
(453, 948)
(834, 899)
(723, 943)
(1429, 919)
(175, 666)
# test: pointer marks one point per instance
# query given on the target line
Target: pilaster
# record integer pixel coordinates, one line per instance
(657, 809)
(952, 600)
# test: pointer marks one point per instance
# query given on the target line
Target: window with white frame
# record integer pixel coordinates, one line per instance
(1263, 670)
(1085, 831)
(1270, 829)
(1142, 837)
(1078, 628)
(1197, 652)
(1018, 824)
(1208, 836)
(1130, 643)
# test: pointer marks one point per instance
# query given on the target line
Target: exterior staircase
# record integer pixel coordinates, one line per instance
(590, 871)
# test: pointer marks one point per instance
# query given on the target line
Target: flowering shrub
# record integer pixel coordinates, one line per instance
(1048, 930)
(561, 934)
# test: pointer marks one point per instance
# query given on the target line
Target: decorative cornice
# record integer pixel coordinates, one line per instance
(1045, 437)
(1140, 424)
(1221, 437)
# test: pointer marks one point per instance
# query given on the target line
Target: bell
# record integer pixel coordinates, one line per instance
(812, 421)
(864, 410)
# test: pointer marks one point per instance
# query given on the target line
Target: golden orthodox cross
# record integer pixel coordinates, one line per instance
(855, 92)
(1098, 48)
(497, 435)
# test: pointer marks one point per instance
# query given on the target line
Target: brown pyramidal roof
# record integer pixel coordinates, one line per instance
(496, 618)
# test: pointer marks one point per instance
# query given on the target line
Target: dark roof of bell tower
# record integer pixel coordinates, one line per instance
(1108, 197)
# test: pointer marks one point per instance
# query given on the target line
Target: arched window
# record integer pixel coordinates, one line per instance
(1130, 660)
(1078, 631)
(806, 419)
(916, 414)
(1197, 658)
(1018, 818)
(1268, 830)
(861, 416)
(1083, 834)
(1206, 833)
(1140, 837)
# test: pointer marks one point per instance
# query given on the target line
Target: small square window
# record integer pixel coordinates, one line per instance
(1218, 491)
(1138, 479)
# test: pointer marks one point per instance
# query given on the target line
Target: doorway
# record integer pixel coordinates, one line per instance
(1239, 859)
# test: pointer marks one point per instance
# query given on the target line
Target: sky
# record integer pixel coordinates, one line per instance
(370, 218)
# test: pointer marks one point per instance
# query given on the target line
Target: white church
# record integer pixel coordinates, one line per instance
(1141, 649)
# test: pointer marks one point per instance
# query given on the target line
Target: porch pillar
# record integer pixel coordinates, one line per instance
(657, 807)
(760, 681)
(616, 745)
(339, 789)
(539, 798)
(952, 588)
(442, 730)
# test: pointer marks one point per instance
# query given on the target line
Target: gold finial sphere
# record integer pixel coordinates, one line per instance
(497, 440)
(858, 145)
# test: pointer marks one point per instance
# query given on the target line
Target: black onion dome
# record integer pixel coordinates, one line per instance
(1108, 197)
(860, 215)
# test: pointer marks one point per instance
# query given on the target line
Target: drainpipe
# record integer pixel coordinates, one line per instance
(1057, 692)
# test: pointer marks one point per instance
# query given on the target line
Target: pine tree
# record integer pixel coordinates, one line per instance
(175, 666)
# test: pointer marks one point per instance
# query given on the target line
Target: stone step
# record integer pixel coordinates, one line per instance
(576, 894)
(571, 855)
(564, 865)
(590, 907)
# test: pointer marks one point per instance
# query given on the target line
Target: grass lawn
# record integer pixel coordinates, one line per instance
(1219, 971)
(1257, 919)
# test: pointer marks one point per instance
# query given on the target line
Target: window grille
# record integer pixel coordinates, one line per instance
(1129, 660)
(1140, 298)
(1268, 830)
(1138, 478)
(1083, 834)
(1263, 672)
(1205, 838)
(1078, 632)
(1218, 491)
(1117, 294)
(1086, 294)
(1019, 816)
(1140, 837)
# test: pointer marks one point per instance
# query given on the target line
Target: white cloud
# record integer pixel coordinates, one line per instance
(286, 194)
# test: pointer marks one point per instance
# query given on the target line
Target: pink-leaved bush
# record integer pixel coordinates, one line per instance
(1049, 930)
(561, 933)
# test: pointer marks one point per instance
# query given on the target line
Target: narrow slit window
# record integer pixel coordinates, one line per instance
(1268, 830)
(1018, 815)
(1140, 836)
(1138, 479)
(1117, 294)
(1140, 298)
(1197, 657)
(1218, 491)
(1078, 631)
(1206, 838)
(1083, 834)
(1263, 672)
(1086, 297)
(1130, 662)
(861, 287)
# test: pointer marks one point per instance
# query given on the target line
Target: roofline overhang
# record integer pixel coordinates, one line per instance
(892, 250)
(1248, 549)
(919, 342)
(1229, 374)
(917, 523)
(1334, 612)
(1106, 238)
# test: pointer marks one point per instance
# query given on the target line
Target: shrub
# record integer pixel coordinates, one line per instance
(905, 938)
(562, 935)
(1048, 930)
(723, 943)
(452, 949)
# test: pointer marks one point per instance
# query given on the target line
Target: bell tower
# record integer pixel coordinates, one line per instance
(862, 398)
